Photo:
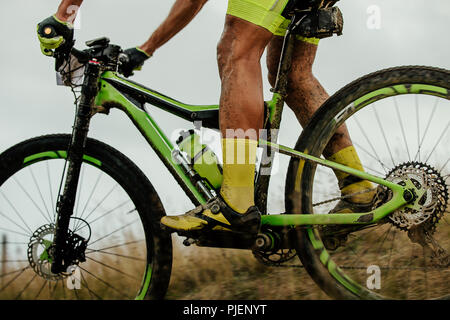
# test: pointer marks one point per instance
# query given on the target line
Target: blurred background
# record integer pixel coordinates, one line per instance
(377, 34)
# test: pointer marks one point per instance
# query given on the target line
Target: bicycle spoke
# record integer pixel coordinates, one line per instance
(52, 292)
(15, 223)
(384, 239)
(384, 134)
(116, 254)
(25, 287)
(418, 125)
(17, 276)
(445, 164)
(103, 199)
(113, 232)
(8, 261)
(112, 268)
(41, 289)
(390, 252)
(375, 154)
(75, 291)
(31, 199)
(407, 138)
(11, 272)
(355, 263)
(426, 128)
(438, 141)
(105, 283)
(105, 214)
(119, 245)
(40, 193)
(91, 292)
(16, 211)
(15, 232)
(402, 128)
(91, 194)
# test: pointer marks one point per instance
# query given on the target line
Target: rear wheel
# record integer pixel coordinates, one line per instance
(398, 121)
(116, 210)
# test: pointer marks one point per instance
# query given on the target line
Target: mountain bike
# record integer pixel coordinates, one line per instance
(80, 220)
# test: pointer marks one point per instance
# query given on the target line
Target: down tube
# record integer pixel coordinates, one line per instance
(109, 96)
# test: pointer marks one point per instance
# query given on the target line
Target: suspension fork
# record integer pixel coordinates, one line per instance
(66, 201)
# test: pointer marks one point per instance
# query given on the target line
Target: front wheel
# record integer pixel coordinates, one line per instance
(117, 211)
(399, 121)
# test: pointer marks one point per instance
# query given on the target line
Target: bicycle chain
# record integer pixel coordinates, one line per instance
(286, 256)
(379, 199)
(343, 197)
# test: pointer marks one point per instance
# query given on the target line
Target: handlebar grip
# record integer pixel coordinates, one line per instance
(123, 58)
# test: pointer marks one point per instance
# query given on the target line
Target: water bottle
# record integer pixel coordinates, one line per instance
(202, 159)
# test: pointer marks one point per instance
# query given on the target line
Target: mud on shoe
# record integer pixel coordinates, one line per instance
(215, 215)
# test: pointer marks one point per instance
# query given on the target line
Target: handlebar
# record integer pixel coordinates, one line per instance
(109, 55)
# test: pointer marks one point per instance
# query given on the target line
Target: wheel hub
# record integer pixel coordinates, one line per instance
(39, 252)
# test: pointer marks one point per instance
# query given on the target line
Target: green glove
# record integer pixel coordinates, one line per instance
(54, 34)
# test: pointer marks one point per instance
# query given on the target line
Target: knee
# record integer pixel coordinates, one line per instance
(233, 51)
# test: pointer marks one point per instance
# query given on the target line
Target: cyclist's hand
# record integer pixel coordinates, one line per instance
(53, 34)
(136, 58)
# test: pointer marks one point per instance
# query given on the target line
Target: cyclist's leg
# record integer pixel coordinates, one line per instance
(241, 106)
(305, 96)
(249, 27)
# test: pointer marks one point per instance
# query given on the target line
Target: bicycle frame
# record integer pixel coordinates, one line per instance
(129, 96)
(104, 89)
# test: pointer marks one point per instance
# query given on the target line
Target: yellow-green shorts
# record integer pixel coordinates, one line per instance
(264, 13)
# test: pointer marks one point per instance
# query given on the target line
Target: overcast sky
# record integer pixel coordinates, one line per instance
(411, 32)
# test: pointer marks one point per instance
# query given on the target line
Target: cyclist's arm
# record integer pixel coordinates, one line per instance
(182, 12)
(66, 10)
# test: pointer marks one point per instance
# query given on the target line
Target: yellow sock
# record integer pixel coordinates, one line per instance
(239, 157)
(350, 184)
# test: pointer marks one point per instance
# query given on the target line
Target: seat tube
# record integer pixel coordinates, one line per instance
(273, 125)
(75, 154)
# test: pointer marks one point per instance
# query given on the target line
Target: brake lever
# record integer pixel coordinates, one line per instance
(123, 59)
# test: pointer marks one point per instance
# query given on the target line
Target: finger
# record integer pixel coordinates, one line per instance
(51, 43)
(46, 51)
